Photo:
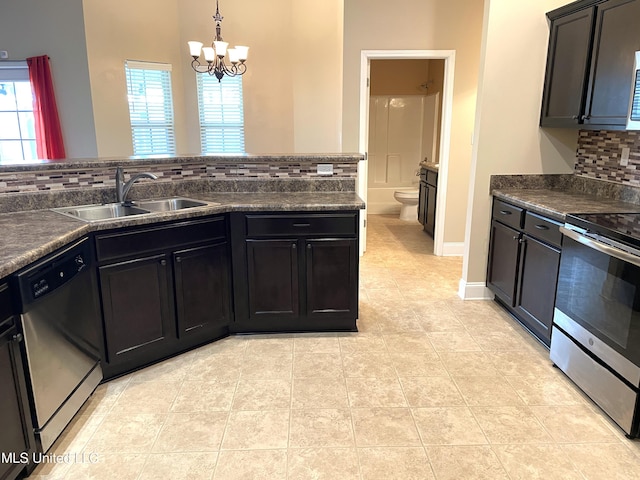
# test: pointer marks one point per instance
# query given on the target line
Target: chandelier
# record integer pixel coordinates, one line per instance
(215, 54)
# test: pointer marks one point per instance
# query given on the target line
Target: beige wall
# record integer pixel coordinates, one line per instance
(508, 139)
(113, 38)
(421, 25)
(399, 77)
(292, 92)
(38, 27)
(315, 53)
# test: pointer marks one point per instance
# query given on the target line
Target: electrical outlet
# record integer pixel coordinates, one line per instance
(4, 54)
(624, 159)
(325, 169)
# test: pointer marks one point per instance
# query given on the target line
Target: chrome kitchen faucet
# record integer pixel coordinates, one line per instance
(122, 187)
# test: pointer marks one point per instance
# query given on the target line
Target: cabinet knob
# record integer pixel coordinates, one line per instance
(585, 117)
(309, 246)
(163, 262)
(18, 337)
(293, 245)
(516, 237)
(178, 259)
(522, 240)
(575, 117)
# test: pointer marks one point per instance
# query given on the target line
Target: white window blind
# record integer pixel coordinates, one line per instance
(150, 107)
(17, 124)
(221, 114)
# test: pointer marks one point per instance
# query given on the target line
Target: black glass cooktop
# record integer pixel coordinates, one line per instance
(623, 227)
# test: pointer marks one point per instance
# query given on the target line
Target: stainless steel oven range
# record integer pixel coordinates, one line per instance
(596, 325)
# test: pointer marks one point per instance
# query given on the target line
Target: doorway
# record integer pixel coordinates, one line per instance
(367, 56)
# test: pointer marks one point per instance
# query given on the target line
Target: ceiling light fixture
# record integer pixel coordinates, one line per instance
(214, 55)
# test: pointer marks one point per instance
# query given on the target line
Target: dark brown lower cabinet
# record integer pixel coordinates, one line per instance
(164, 290)
(295, 272)
(202, 288)
(504, 256)
(332, 276)
(537, 289)
(17, 443)
(523, 266)
(136, 309)
(273, 279)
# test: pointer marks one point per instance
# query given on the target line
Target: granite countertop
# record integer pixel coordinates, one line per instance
(557, 204)
(434, 167)
(29, 235)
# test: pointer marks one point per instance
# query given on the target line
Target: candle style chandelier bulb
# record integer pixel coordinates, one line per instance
(215, 54)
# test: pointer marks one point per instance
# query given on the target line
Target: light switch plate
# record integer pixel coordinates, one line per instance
(624, 159)
(325, 169)
(4, 54)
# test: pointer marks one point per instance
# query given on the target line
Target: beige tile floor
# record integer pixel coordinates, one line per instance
(430, 388)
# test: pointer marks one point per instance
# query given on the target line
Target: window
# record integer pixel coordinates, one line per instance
(17, 125)
(221, 114)
(150, 107)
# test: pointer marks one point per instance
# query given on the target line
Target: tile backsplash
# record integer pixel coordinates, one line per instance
(60, 179)
(600, 152)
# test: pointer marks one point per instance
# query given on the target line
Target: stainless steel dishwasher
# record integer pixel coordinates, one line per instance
(60, 321)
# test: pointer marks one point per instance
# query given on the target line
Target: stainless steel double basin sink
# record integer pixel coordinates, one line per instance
(109, 211)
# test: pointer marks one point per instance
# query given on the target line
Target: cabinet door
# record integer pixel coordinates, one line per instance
(14, 434)
(332, 278)
(273, 279)
(422, 203)
(537, 290)
(202, 291)
(567, 69)
(136, 309)
(617, 37)
(504, 256)
(430, 220)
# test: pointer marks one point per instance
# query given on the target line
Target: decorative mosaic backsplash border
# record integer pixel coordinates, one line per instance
(74, 177)
(600, 153)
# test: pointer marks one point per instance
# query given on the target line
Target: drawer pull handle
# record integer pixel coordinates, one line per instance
(505, 212)
(163, 262)
(542, 227)
(301, 225)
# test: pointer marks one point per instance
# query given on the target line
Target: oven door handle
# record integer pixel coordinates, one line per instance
(601, 247)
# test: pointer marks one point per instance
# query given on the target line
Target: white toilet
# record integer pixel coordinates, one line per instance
(409, 203)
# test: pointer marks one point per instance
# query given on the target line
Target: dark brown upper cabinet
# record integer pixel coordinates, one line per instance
(589, 64)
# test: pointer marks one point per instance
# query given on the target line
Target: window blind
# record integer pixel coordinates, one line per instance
(221, 114)
(150, 107)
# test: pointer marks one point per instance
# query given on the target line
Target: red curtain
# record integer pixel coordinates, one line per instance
(48, 132)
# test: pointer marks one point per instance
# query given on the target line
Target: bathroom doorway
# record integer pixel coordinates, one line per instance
(443, 142)
(404, 128)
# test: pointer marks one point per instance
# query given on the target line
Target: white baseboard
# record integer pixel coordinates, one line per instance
(453, 249)
(474, 291)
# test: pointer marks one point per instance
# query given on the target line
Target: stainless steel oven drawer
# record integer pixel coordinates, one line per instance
(603, 387)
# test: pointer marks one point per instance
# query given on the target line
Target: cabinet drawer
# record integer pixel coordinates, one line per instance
(543, 228)
(432, 178)
(302, 224)
(136, 241)
(507, 214)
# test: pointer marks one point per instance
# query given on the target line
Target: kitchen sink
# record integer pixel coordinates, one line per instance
(170, 204)
(96, 213)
